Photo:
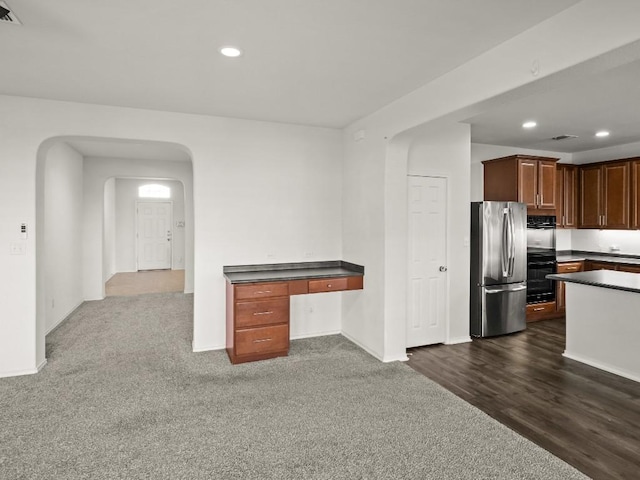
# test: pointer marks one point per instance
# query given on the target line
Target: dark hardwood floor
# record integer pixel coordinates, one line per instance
(587, 417)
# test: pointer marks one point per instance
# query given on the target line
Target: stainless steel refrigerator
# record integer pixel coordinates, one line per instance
(498, 268)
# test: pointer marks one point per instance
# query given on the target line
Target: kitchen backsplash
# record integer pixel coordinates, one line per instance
(608, 241)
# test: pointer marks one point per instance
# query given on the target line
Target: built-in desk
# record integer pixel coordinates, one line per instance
(603, 320)
(258, 302)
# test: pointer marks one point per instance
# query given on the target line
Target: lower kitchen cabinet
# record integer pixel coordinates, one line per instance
(565, 267)
(629, 268)
(541, 311)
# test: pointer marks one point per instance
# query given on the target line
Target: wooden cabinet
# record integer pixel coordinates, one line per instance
(258, 314)
(541, 311)
(635, 194)
(629, 268)
(601, 265)
(605, 195)
(566, 196)
(522, 178)
(257, 321)
(565, 267)
(598, 265)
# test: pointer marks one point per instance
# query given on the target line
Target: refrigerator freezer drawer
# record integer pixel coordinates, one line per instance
(503, 309)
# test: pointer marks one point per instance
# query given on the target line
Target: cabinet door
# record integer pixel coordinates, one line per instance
(528, 182)
(561, 304)
(635, 194)
(595, 265)
(590, 196)
(560, 171)
(615, 195)
(546, 185)
(570, 196)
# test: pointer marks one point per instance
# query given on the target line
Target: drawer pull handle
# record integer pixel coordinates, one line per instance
(260, 292)
(263, 313)
(328, 285)
(572, 268)
(538, 309)
(261, 340)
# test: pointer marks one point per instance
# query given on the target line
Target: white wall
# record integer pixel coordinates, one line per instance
(257, 186)
(261, 192)
(375, 192)
(591, 240)
(444, 151)
(109, 233)
(63, 202)
(126, 201)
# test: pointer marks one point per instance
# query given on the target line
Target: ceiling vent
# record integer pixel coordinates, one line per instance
(7, 16)
(564, 137)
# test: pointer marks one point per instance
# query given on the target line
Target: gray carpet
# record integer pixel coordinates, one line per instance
(123, 396)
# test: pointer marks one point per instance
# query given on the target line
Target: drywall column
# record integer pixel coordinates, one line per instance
(63, 205)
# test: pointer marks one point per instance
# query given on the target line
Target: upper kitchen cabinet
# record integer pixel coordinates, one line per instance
(635, 193)
(567, 196)
(522, 178)
(604, 195)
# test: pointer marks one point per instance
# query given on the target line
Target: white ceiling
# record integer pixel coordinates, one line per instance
(314, 62)
(607, 101)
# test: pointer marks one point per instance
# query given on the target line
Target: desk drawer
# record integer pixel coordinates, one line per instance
(262, 312)
(262, 340)
(261, 290)
(327, 285)
(570, 267)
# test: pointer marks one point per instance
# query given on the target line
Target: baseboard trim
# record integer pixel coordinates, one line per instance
(316, 334)
(602, 366)
(19, 373)
(59, 322)
(399, 358)
(456, 340)
(42, 364)
(207, 348)
(363, 347)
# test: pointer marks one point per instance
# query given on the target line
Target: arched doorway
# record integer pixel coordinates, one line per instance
(72, 261)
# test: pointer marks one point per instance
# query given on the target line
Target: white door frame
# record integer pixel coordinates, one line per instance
(447, 293)
(135, 239)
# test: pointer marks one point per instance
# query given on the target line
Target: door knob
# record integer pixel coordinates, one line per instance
(443, 268)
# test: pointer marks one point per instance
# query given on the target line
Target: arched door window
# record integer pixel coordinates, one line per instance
(153, 190)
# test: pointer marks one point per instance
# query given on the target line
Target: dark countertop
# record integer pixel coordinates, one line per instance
(629, 282)
(576, 256)
(283, 272)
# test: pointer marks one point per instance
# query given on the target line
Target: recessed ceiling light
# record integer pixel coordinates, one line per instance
(229, 51)
(602, 133)
(530, 124)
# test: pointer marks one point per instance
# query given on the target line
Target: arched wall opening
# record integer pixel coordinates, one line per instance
(73, 251)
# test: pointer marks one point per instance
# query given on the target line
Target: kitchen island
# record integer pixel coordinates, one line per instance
(603, 320)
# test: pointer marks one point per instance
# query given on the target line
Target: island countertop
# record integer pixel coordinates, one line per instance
(628, 282)
(290, 271)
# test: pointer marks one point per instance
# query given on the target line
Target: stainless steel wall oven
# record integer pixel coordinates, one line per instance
(541, 258)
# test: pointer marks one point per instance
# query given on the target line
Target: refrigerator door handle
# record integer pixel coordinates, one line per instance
(503, 290)
(504, 254)
(512, 241)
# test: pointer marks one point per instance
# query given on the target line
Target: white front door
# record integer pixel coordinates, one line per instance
(427, 285)
(154, 235)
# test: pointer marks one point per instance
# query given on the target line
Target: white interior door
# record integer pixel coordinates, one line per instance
(427, 286)
(154, 235)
